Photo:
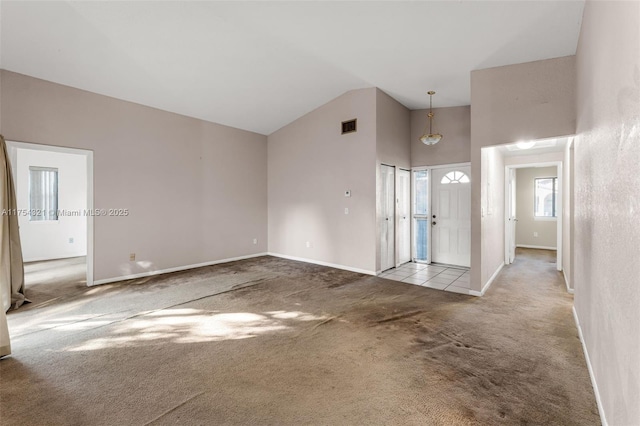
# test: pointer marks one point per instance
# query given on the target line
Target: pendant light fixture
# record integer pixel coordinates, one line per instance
(430, 138)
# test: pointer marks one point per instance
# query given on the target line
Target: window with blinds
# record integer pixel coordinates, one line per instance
(43, 193)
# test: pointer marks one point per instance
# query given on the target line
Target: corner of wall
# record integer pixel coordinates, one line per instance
(1, 77)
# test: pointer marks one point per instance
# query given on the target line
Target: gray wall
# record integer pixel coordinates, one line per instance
(607, 202)
(527, 224)
(454, 124)
(311, 165)
(534, 100)
(196, 190)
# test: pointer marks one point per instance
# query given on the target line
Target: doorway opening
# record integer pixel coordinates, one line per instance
(394, 218)
(54, 191)
(533, 209)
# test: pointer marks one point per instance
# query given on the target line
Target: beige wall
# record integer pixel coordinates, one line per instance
(311, 165)
(534, 100)
(393, 148)
(393, 123)
(196, 190)
(527, 224)
(607, 202)
(492, 213)
(454, 124)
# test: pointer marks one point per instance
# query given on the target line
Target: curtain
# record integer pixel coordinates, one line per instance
(5, 343)
(11, 267)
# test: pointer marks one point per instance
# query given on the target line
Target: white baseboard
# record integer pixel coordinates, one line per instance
(488, 283)
(569, 289)
(321, 263)
(603, 417)
(536, 247)
(175, 269)
(42, 259)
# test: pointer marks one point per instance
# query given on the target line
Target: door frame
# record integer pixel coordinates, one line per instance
(509, 226)
(13, 147)
(429, 170)
(559, 215)
(397, 216)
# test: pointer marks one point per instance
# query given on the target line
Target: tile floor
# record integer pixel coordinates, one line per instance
(439, 277)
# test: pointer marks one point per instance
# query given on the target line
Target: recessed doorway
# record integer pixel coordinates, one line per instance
(54, 193)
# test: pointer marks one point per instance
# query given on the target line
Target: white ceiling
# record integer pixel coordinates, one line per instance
(260, 65)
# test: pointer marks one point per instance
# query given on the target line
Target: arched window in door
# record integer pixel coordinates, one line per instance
(455, 177)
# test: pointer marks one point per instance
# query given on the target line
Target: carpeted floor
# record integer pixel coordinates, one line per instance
(272, 342)
(51, 281)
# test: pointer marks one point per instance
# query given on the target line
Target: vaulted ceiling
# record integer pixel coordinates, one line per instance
(260, 65)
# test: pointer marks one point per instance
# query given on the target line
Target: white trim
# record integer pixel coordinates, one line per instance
(175, 269)
(488, 283)
(536, 247)
(321, 263)
(461, 290)
(569, 289)
(507, 216)
(90, 221)
(46, 259)
(603, 417)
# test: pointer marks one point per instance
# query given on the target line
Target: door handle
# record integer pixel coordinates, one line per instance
(433, 223)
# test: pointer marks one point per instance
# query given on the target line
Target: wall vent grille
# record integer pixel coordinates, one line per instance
(350, 126)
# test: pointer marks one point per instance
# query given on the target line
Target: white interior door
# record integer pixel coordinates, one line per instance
(403, 209)
(387, 217)
(511, 216)
(451, 216)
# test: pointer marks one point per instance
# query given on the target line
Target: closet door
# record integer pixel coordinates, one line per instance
(403, 209)
(387, 217)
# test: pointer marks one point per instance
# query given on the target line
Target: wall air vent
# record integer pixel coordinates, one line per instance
(349, 126)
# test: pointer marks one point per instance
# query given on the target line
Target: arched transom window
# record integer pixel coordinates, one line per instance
(454, 177)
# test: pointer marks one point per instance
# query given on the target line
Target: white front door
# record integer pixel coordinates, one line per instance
(451, 216)
(387, 217)
(403, 210)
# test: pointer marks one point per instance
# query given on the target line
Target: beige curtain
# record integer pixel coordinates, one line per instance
(5, 342)
(11, 267)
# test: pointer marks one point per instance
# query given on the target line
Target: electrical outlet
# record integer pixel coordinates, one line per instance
(346, 210)
(132, 257)
(71, 240)
(535, 234)
(255, 241)
(309, 245)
